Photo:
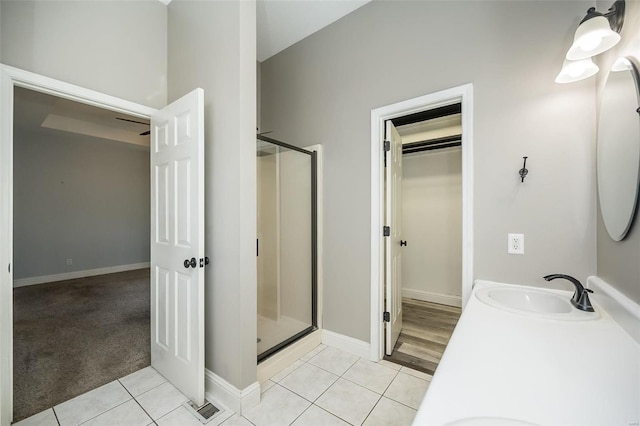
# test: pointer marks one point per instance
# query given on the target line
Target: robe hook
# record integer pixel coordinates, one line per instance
(523, 171)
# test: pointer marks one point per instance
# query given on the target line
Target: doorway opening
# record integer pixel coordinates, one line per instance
(387, 243)
(428, 250)
(81, 249)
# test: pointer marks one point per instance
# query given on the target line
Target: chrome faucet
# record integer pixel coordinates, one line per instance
(580, 299)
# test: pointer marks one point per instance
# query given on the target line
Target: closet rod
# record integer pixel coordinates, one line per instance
(431, 144)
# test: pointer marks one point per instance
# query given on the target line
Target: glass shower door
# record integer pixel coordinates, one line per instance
(286, 253)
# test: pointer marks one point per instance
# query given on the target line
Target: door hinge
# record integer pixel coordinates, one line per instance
(386, 231)
(204, 261)
(386, 148)
(386, 317)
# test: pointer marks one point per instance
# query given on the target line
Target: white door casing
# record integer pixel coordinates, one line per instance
(393, 250)
(464, 95)
(177, 235)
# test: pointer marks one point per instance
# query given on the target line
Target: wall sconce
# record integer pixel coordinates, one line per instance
(576, 70)
(596, 33)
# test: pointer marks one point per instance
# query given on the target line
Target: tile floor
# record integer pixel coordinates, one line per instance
(324, 387)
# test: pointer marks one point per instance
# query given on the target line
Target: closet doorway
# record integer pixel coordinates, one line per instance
(428, 222)
(388, 239)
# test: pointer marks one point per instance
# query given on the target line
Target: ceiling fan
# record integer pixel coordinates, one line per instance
(148, 132)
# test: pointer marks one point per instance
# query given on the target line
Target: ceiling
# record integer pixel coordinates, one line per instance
(34, 110)
(282, 23)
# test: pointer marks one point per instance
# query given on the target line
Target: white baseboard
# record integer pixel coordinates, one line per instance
(78, 274)
(217, 388)
(623, 310)
(346, 343)
(427, 296)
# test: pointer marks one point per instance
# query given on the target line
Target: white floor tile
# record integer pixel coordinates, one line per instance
(407, 389)
(43, 418)
(178, 417)
(315, 351)
(237, 420)
(265, 386)
(309, 381)
(181, 416)
(142, 380)
(284, 373)
(316, 416)
(161, 400)
(278, 407)
(416, 373)
(390, 413)
(127, 414)
(371, 375)
(89, 405)
(334, 360)
(348, 401)
(389, 364)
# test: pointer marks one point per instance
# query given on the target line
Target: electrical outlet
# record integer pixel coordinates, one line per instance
(69, 261)
(516, 244)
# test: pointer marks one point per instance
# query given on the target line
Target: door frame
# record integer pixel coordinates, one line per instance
(464, 95)
(11, 77)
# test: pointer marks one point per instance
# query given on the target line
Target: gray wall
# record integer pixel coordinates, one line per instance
(432, 223)
(114, 47)
(322, 90)
(78, 197)
(619, 262)
(212, 45)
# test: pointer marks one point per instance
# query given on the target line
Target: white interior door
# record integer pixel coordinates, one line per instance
(393, 253)
(177, 244)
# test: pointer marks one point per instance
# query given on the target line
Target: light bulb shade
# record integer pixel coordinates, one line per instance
(592, 37)
(576, 70)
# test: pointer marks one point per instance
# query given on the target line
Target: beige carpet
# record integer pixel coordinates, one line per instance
(74, 336)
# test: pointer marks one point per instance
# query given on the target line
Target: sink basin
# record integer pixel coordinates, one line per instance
(529, 301)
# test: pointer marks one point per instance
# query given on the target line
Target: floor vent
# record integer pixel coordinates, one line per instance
(207, 412)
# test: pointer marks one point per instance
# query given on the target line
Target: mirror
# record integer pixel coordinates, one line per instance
(618, 148)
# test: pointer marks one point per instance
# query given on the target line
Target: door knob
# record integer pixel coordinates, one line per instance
(403, 243)
(193, 263)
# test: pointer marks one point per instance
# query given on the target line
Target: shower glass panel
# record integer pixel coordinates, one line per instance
(286, 245)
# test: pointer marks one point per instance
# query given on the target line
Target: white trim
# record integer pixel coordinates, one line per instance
(239, 400)
(346, 343)
(462, 94)
(9, 78)
(428, 296)
(22, 282)
(287, 356)
(623, 310)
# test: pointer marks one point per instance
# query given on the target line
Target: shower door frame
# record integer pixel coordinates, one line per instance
(314, 249)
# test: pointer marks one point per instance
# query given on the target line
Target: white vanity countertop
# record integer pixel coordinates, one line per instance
(548, 372)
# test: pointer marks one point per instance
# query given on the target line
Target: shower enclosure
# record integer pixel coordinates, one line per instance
(286, 247)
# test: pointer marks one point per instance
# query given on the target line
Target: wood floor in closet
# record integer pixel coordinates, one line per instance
(426, 330)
